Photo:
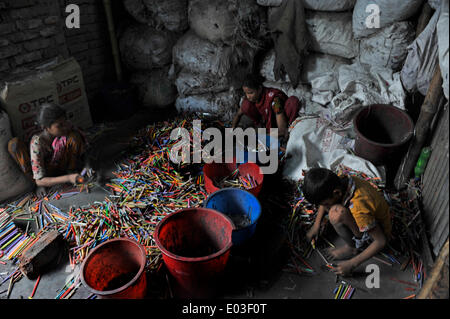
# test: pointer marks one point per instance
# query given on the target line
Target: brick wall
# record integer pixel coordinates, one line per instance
(34, 31)
(90, 44)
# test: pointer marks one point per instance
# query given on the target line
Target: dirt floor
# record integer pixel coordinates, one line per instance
(256, 270)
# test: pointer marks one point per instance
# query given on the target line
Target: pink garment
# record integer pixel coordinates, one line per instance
(58, 145)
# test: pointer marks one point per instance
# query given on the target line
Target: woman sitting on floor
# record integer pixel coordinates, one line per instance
(54, 155)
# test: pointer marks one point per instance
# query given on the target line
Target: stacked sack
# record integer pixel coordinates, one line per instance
(428, 50)
(355, 54)
(331, 44)
(146, 47)
(210, 59)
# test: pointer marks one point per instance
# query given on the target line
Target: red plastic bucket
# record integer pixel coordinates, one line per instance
(195, 243)
(215, 171)
(115, 270)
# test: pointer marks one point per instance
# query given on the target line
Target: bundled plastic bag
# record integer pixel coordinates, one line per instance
(188, 83)
(223, 105)
(324, 88)
(315, 65)
(144, 48)
(313, 143)
(331, 33)
(194, 54)
(203, 58)
(269, 3)
(228, 21)
(155, 90)
(329, 5)
(168, 14)
(387, 48)
(371, 85)
(422, 59)
(367, 13)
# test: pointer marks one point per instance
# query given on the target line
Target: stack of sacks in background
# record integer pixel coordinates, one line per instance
(210, 60)
(146, 47)
(351, 65)
(383, 34)
(329, 26)
(428, 50)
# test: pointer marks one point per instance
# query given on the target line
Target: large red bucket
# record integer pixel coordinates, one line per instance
(195, 243)
(215, 171)
(115, 270)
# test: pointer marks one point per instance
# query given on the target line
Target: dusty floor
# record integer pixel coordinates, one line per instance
(254, 271)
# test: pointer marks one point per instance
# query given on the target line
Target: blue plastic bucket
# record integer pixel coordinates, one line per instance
(242, 207)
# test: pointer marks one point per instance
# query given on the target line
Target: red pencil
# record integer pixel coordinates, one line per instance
(35, 286)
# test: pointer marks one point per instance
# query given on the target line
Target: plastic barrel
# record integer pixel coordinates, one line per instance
(237, 202)
(115, 270)
(382, 132)
(195, 243)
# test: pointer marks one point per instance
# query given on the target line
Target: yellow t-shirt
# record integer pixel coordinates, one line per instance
(368, 206)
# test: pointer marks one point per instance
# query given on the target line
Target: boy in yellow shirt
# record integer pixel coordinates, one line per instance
(357, 211)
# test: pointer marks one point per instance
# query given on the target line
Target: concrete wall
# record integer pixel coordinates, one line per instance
(34, 31)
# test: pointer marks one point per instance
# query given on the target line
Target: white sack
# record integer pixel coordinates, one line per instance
(390, 11)
(371, 85)
(189, 83)
(143, 48)
(313, 144)
(324, 88)
(12, 181)
(154, 88)
(435, 4)
(329, 5)
(269, 3)
(168, 14)
(316, 65)
(226, 21)
(387, 48)
(223, 105)
(331, 33)
(201, 56)
(422, 59)
(442, 34)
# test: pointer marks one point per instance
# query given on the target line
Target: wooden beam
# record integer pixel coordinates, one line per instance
(421, 130)
(433, 285)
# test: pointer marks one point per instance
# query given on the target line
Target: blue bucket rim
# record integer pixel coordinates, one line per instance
(227, 189)
(191, 259)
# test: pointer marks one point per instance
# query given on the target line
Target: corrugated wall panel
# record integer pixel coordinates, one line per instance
(436, 186)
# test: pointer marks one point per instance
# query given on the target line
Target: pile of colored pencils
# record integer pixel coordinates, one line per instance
(236, 180)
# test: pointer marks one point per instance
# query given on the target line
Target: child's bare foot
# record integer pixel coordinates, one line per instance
(343, 252)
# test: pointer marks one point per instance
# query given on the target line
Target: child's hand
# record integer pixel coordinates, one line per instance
(344, 268)
(312, 233)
